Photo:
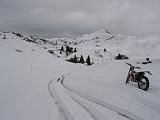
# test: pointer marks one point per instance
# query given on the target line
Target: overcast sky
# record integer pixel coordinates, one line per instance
(49, 17)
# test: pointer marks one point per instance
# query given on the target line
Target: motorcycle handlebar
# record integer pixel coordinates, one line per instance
(138, 67)
(148, 72)
(133, 66)
(128, 64)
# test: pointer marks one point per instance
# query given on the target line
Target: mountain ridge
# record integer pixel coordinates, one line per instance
(100, 45)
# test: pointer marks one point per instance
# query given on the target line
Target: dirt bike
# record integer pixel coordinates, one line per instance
(143, 81)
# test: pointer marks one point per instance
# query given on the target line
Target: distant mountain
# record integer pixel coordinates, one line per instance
(116, 43)
(100, 45)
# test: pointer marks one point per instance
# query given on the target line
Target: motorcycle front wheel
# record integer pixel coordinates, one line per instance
(143, 83)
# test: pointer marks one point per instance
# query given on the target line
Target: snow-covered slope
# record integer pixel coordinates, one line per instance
(116, 43)
(37, 85)
(103, 45)
(98, 35)
(25, 70)
(100, 46)
(99, 93)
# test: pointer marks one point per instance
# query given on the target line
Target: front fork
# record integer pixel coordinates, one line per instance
(130, 76)
(127, 80)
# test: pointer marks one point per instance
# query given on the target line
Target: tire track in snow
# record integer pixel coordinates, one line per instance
(145, 102)
(64, 111)
(97, 111)
(92, 114)
(61, 108)
(78, 105)
(119, 111)
(84, 107)
(87, 110)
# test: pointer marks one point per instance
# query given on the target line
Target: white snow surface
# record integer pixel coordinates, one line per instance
(94, 44)
(36, 85)
(127, 45)
(24, 78)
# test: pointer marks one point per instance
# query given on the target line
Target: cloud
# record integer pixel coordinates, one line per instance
(80, 16)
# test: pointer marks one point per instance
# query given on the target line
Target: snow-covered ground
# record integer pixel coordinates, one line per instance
(102, 46)
(36, 85)
(102, 91)
(116, 43)
(25, 71)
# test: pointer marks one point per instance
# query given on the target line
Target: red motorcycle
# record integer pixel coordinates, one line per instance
(143, 81)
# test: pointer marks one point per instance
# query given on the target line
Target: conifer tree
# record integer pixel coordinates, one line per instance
(70, 49)
(62, 49)
(67, 48)
(88, 61)
(81, 59)
(4, 37)
(75, 50)
(119, 56)
(75, 59)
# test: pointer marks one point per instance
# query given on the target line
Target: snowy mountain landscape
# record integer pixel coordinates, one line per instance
(39, 80)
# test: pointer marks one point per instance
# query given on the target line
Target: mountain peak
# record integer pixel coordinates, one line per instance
(103, 31)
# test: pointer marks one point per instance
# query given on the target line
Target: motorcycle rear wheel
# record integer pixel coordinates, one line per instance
(143, 83)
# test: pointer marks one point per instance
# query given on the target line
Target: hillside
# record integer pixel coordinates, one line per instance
(37, 83)
(116, 43)
(25, 70)
(103, 45)
(100, 46)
